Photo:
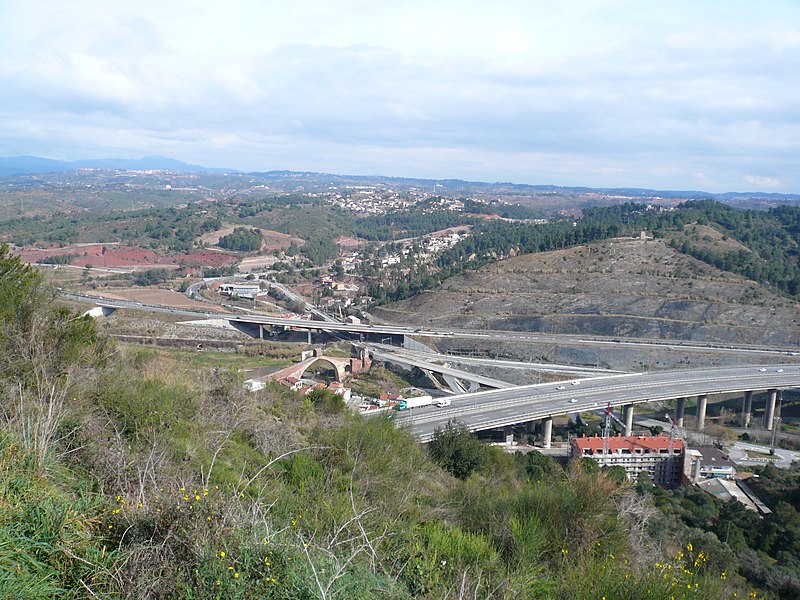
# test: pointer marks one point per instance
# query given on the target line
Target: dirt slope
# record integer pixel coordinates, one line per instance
(620, 288)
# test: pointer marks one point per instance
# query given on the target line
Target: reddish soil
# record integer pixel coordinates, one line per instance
(121, 256)
(102, 255)
(98, 255)
(205, 258)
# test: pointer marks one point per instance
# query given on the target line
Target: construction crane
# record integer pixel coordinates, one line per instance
(671, 434)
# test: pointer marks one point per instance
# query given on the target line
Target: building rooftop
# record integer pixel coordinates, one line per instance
(632, 443)
(714, 457)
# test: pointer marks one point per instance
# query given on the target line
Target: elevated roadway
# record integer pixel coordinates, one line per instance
(430, 357)
(512, 406)
(414, 360)
(254, 321)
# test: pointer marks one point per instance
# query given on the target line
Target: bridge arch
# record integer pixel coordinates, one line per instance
(340, 367)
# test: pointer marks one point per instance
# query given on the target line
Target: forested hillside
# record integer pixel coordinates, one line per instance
(123, 476)
(769, 251)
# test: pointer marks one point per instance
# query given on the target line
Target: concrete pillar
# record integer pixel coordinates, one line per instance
(747, 409)
(530, 427)
(702, 402)
(681, 410)
(628, 417)
(309, 337)
(770, 413)
(777, 419)
(547, 432)
(261, 332)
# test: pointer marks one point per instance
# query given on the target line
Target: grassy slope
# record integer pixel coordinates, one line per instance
(180, 490)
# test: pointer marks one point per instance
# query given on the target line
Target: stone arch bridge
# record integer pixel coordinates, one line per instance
(344, 367)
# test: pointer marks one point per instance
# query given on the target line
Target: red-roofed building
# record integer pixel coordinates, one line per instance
(636, 454)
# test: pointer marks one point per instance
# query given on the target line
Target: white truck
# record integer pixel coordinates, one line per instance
(415, 402)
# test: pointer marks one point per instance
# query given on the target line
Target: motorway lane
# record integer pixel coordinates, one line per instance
(497, 408)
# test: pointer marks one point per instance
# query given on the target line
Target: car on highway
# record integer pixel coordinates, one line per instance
(573, 400)
(576, 383)
(779, 370)
(560, 387)
(762, 370)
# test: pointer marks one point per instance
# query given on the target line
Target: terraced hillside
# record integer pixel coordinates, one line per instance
(621, 287)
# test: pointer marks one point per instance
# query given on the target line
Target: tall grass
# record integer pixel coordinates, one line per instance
(51, 543)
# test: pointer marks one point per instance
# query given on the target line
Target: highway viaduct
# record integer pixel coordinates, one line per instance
(541, 402)
(259, 326)
(504, 408)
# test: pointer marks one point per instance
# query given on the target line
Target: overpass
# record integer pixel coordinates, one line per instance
(257, 325)
(451, 376)
(541, 402)
(408, 355)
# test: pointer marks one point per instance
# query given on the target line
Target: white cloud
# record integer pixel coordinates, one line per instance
(586, 92)
(763, 182)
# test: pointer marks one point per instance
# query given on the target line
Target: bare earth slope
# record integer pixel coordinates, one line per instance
(620, 288)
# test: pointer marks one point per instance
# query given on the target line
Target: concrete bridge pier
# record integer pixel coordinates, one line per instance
(547, 432)
(702, 403)
(628, 417)
(530, 427)
(769, 417)
(747, 408)
(680, 412)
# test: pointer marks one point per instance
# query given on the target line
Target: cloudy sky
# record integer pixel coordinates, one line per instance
(697, 94)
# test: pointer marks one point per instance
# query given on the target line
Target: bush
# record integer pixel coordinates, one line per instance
(455, 450)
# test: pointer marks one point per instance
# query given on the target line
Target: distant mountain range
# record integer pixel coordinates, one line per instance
(11, 166)
(29, 165)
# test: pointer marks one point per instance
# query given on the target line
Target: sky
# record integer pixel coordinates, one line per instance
(665, 94)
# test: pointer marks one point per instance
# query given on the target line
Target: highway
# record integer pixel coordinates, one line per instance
(429, 365)
(513, 405)
(499, 408)
(429, 357)
(489, 335)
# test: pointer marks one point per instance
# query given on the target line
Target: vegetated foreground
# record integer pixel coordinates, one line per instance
(619, 287)
(126, 476)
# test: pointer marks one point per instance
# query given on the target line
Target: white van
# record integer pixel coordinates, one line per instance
(443, 402)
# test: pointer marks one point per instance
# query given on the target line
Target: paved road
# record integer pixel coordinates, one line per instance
(783, 458)
(493, 335)
(298, 298)
(429, 365)
(506, 364)
(498, 408)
